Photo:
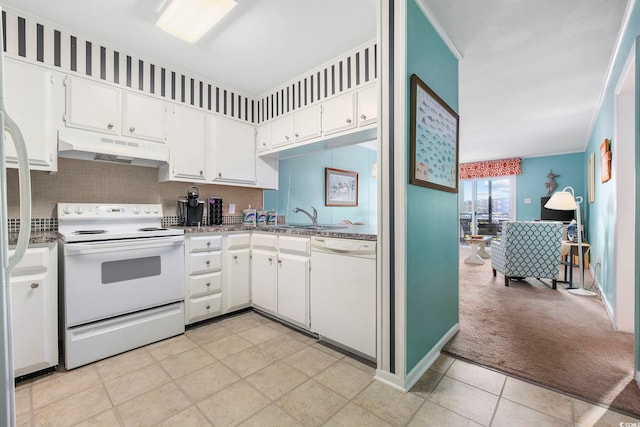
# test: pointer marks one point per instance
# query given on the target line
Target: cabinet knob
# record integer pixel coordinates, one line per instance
(110, 126)
(35, 285)
(297, 135)
(201, 173)
(264, 144)
(208, 284)
(208, 262)
(208, 307)
(279, 261)
(270, 259)
(349, 121)
(235, 257)
(208, 243)
(286, 137)
(363, 117)
(132, 129)
(219, 174)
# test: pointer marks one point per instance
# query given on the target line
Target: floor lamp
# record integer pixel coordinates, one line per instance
(565, 200)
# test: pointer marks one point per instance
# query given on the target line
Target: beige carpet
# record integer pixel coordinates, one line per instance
(550, 337)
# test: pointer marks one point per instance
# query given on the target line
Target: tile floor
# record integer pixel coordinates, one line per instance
(249, 370)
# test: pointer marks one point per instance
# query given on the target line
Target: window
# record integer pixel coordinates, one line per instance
(485, 203)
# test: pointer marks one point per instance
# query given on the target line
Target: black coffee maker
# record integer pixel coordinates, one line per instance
(190, 209)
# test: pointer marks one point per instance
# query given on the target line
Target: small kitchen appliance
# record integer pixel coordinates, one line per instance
(122, 279)
(215, 211)
(191, 209)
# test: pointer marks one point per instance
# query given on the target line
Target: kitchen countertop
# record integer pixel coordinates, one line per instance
(37, 238)
(357, 232)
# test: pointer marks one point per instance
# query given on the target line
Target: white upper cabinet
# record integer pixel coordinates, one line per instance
(339, 114)
(368, 105)
(144, 117)
(92, 106)
(234, 155)
(187, 159)
(282, 131)
(28, 99)
(307, 123)
(263, 141)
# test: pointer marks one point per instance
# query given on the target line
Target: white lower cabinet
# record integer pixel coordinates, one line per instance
(237, 271)
(34, 311)
(204, 277)
(280, 278)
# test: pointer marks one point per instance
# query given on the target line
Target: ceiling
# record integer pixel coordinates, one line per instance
(531, 72)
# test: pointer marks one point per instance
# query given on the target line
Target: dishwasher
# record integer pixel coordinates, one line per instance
(343, 293)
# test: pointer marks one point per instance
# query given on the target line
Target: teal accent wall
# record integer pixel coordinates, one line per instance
(431, 215)
(301, 184)
(530, 184)
(601, 222)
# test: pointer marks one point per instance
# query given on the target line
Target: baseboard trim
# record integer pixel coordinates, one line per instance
(605, 302)
(390, 380)
(418, 371)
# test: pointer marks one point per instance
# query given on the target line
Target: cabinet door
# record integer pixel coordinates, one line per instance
(264, 276)
(92, 106)
(281, 131)
(30, 321)
(293, 289)
(235, 151)
(267, 173)
(144, 117)
(263, 143)
(28, 101)
(307, 123)
(188, 146)
(236, 273)
(368, 105)
(339, 113)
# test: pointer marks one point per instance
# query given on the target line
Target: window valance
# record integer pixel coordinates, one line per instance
(491, 168)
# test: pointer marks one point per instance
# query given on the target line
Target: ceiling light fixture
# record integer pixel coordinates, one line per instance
(189, 20)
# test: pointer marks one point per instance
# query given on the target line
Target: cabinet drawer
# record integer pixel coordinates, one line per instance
(264, 241)
(205, 284)
(238, 241)
(205, 243)
(294, 245)
(35, 261)
(206, 306)
(205, 262)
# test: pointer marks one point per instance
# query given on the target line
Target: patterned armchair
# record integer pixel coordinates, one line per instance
(528, 249)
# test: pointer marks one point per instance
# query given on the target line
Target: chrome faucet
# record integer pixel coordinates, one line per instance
(314, 217)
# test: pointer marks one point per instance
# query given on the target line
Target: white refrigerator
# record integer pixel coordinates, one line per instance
(7, 389)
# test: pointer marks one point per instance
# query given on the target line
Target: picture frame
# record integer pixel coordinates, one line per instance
(340, 187)
(605, 161)
(434, 140)
(591, 178)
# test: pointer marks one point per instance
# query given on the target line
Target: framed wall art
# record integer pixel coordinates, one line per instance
(605, 161)
(434, 140)
(340, 188)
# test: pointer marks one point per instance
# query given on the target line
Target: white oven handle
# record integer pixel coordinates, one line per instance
(113, 246)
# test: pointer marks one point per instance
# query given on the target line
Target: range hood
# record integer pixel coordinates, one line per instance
(87, 145)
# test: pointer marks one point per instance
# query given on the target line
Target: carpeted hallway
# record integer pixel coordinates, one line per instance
(547, 336)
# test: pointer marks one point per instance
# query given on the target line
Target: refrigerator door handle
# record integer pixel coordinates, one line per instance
(24, 180)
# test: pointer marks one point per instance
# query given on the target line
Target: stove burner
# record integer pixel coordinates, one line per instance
(152, 229)
(90, 232)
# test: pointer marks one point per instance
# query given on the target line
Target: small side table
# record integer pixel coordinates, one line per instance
(478, 250)
(573, 252)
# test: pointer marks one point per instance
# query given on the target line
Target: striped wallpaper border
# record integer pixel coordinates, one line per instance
(25, 38)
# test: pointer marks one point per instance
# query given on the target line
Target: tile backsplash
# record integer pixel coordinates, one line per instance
(83, 181)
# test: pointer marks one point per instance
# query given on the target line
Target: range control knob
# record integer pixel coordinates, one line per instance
(136, 211)
(67, 210)
(156, 210)
(79, 211)
(147, 210)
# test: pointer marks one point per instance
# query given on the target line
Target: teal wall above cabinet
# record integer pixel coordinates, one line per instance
(301, 184)
(572, 170)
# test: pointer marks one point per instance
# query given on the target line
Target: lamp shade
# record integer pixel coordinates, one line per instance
(562, 201)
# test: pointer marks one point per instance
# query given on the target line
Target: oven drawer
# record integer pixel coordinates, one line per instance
(205, 284)
(205, 262)
(205, 243)
(205, 306)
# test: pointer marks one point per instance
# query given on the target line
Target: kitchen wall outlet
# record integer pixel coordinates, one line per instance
(527, 201)
(232, 208)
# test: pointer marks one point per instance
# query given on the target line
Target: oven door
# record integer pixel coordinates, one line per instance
(109, 278)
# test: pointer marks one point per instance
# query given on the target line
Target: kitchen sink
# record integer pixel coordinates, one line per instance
(306, 227)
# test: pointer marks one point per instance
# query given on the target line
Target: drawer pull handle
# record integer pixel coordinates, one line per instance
(35, 285)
